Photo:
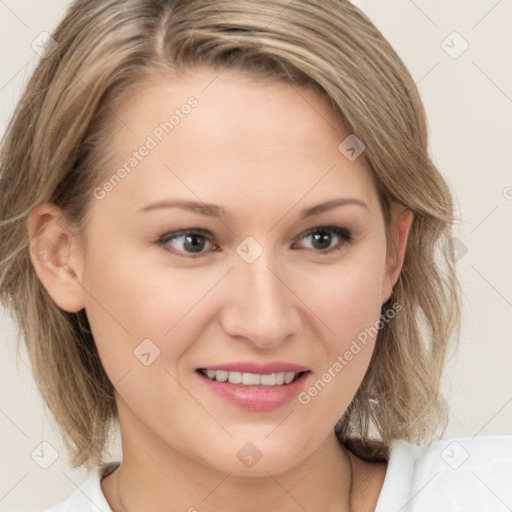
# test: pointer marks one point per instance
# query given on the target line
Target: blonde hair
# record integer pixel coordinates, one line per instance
(56, 141)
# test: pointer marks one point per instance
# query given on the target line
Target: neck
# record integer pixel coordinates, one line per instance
(153, 476)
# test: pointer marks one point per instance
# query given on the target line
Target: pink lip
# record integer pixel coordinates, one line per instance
(259, 368)
(257, 398)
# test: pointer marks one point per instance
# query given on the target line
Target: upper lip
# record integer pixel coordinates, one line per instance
(257, 367)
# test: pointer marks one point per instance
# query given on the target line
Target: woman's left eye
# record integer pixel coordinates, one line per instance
(322, 238)
(193, 242)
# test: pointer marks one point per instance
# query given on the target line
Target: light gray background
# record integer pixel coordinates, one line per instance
(469, 106)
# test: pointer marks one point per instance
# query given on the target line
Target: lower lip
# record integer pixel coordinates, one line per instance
(256, 398)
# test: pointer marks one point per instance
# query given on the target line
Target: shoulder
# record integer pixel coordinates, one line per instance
(458, 474)
(89, 496)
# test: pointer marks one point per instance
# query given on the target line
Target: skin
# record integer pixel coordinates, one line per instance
(264, 152)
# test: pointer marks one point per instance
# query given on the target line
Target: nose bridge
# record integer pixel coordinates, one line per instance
(261, 307)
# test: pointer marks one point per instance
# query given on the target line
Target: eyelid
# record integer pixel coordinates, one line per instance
(327, 227)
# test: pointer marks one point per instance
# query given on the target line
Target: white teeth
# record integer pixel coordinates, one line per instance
(269, 380)
(235, 377)
(221, 375)
(288, 377)
(251, 379)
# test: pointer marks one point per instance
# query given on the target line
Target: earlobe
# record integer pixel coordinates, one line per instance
(56, 257)
(401, 221)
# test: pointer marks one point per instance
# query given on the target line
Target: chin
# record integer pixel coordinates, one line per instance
(260, 457)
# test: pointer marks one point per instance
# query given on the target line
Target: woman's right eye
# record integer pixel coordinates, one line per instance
(189, 243)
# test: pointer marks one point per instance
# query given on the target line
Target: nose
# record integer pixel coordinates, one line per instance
(261, 307)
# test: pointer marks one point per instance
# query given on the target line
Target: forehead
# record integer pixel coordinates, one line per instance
(218, 136)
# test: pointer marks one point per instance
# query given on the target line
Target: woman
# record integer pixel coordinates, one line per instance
(222, 231)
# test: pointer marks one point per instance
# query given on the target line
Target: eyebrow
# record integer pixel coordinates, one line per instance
(213, 210)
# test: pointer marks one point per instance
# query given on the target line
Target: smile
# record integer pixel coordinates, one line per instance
(255, 386)
(251, 379)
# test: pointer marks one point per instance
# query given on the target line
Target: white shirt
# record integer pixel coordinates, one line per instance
(459, 474)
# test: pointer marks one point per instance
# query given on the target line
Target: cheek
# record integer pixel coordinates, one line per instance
(347, 298)
(348, 301)
(129, 302)
(349, 305)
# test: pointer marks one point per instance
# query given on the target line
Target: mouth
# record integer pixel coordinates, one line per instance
(255, 387)
(251, 379)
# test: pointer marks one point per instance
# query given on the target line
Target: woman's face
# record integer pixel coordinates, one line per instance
(279, 277)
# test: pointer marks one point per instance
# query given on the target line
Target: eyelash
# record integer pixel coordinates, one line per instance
(342, 233)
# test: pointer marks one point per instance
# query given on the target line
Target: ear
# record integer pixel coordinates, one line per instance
(401, 220)
(56, 256)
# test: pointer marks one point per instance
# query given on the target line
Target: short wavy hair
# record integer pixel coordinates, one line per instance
(55, 144)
